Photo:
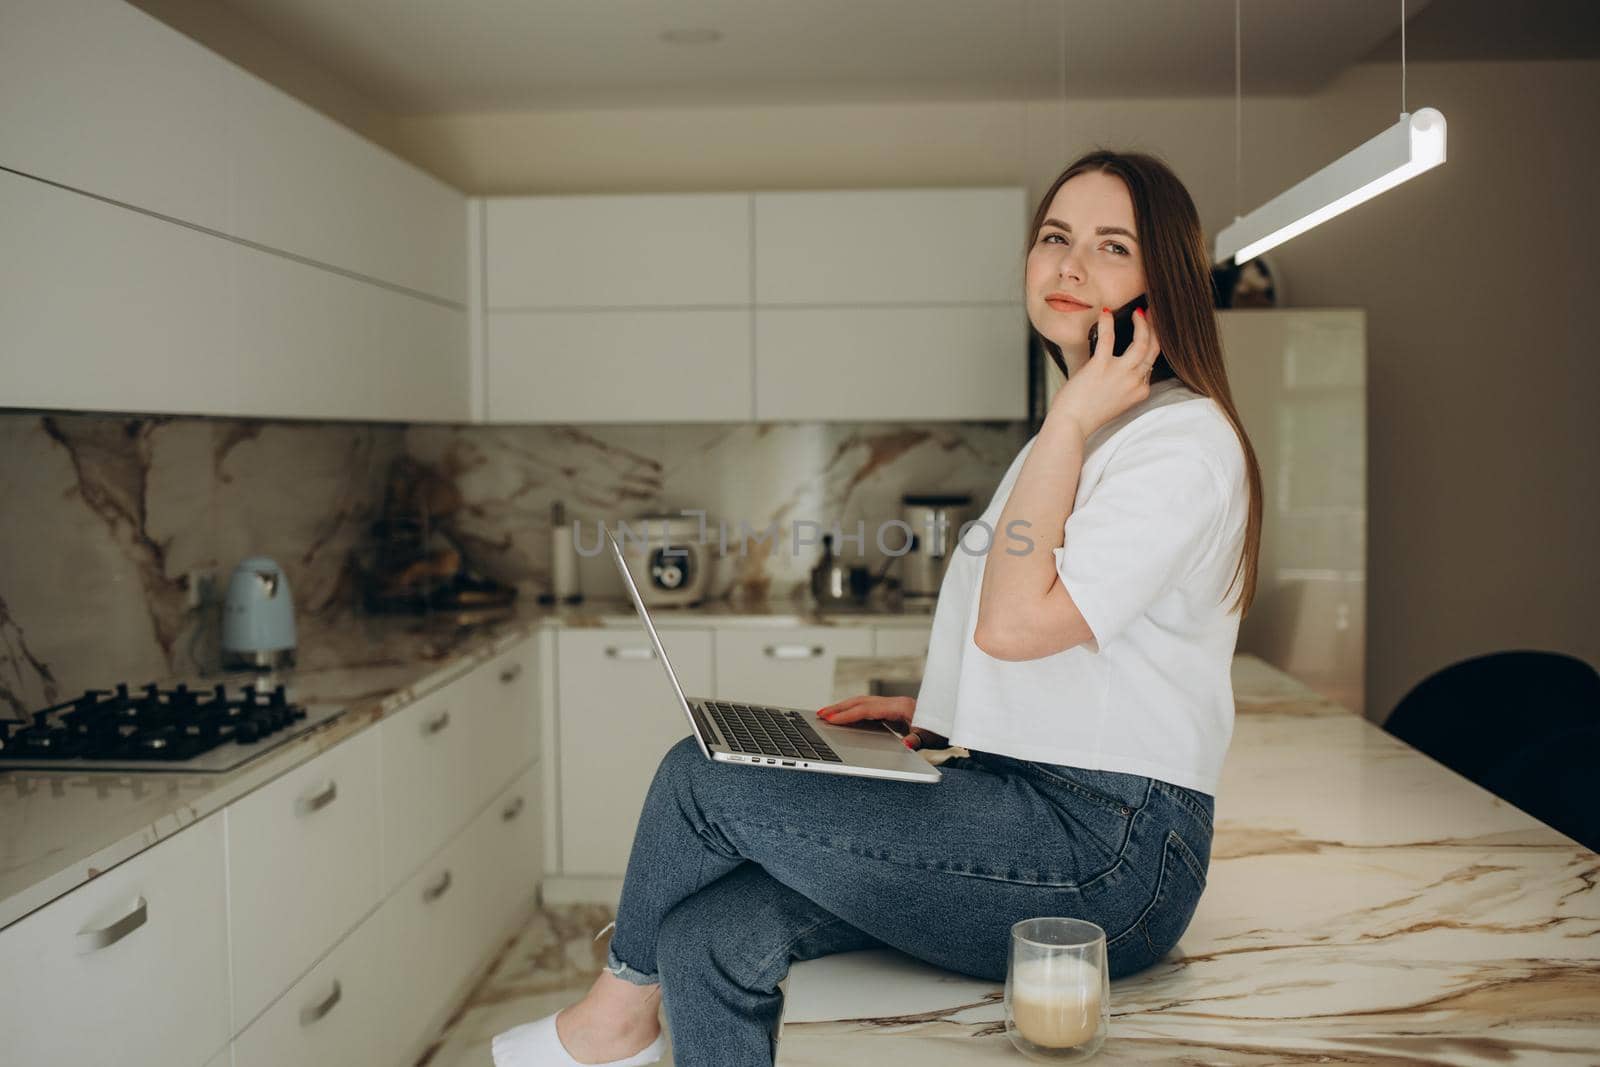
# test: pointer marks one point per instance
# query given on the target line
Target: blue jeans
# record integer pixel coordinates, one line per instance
(736, 871)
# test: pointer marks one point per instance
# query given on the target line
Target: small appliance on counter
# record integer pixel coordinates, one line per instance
(835, 586)
(672, 568)
(258, 618)
(935, 521)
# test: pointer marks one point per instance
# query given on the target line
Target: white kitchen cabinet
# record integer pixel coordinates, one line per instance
(426, 794)
(311, 343)
(302, 869)
(102, 97)
(262, 311)
(510, 841)
(618, 366)
(130, 968)
(427, 928)
(302, 183)
(954, 362)
(789, 667)
(902, 640)
(654, 251)
(505, 720)
(444, 923)
(618, 716)
(890, 246)
(102, 308)
(335, 1014)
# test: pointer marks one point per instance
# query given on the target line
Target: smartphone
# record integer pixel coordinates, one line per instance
(1122, 324)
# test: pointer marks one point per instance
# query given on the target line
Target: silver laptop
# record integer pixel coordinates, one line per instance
(765, 736)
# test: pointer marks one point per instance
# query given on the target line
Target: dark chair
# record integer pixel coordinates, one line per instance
(1525, 725)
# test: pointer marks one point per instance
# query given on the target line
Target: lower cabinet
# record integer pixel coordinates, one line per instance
(447, 918)
(790, 667)
(335, 1014)
(130, 968)
(618, 716)
(302, 868)
(513, 832)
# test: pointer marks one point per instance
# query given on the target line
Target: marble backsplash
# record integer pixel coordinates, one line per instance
(107, 516)
(752, 477)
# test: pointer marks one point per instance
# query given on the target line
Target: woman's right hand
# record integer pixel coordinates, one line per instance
(889, 709)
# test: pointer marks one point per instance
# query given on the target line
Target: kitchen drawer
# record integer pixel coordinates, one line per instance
(130, 968)
(429, 927)
(426, 794)
(505, 719)
(618, 716)
(511, 835)
(302, 869)
(791, 667)
(333, 1015)
(901, 640)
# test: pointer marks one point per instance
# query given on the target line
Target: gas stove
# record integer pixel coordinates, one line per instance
(156, 729)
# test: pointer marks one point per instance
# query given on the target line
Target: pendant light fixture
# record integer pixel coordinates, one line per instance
(1414, 144)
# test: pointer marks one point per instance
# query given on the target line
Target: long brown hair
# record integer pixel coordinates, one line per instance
(1178, 282)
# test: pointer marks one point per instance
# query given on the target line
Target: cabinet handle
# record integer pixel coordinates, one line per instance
(511, 674)
(637, 652)
(433, 726)
(437, 890)
(512, 810)
(110, 934)
(318, 800)
(794, 651)
(312, 1012)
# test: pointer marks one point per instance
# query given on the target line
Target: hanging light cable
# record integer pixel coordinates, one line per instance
(1414, 144)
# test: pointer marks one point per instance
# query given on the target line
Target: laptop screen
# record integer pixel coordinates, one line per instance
(655, 639)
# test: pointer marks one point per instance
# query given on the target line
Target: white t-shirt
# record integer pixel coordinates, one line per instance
(1150, 548)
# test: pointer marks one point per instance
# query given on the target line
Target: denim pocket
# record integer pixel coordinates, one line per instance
(1178, 888)
(1121, 793)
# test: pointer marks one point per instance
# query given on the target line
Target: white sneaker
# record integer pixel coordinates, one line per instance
(537, 1044)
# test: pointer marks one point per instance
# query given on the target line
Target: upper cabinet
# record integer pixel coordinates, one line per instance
(595, 252)
(213, 246)
(890, 246)
(302, 183)
(732, 307)
(102, 97)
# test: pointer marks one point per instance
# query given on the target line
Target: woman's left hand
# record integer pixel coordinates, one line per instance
(1106, 385)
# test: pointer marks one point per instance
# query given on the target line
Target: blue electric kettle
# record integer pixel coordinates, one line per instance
(258, 617)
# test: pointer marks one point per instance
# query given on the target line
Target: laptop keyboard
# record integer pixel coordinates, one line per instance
(763, 731)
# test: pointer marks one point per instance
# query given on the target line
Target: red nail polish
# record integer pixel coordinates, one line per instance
(1105, 311)
(906, 741)
(1139, 312)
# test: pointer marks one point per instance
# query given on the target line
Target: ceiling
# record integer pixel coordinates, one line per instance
(445, 56)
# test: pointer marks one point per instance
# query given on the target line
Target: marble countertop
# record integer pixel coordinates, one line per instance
(60, 829)
(1364, 905)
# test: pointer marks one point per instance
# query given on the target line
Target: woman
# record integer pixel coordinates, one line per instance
(1090, 683)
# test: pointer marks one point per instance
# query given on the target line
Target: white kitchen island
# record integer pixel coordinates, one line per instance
(1364, 905)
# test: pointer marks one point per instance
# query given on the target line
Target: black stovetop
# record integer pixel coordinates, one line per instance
(149, 725)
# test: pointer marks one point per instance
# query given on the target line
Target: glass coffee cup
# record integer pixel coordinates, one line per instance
(1058, 991)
